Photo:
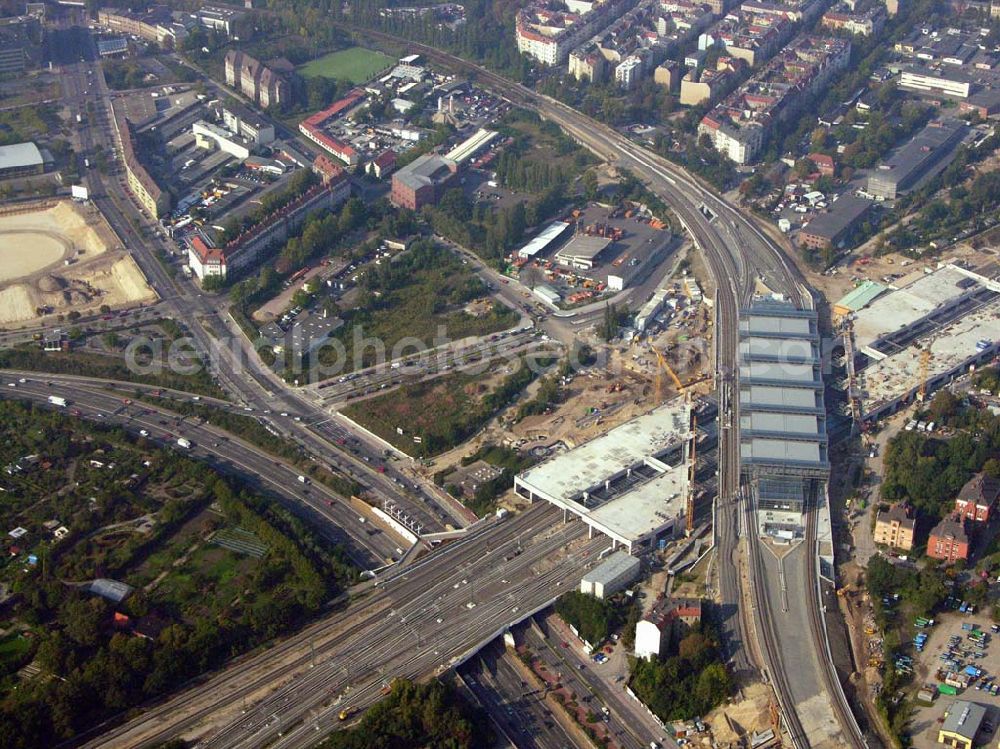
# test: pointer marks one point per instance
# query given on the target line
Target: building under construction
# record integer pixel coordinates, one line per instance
(632, 484)
(932, 327)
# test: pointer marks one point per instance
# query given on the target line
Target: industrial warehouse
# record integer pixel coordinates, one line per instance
(911, 340)
(630, 484)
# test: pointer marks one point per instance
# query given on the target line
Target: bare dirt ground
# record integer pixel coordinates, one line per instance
(59, 256)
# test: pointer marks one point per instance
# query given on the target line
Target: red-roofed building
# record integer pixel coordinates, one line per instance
(383, 165)
(824, 164)
(205, 261)
(669, 618)
(312, 127)
(327, 169)
(949, 541)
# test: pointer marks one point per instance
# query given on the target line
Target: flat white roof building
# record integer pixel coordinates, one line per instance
(611, 575)
(899, 310)
(629, 484)
(952, 314)
(546, 237)
(582, 251)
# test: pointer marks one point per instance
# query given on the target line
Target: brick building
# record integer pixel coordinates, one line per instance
(422, 181)
(949, 541)
(978, 498)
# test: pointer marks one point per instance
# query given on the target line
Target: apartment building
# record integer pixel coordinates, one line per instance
(702, 86)
(153, 198)
(587, 64)
(550, 35)
(739, 125)
(256, 81)
(895, 527)
(867, 23)
(248, 124)
(156, 24)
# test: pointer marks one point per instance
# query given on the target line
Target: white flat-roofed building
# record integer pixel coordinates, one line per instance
(630, 484)
(543, 240)
(207, 135)
(611, 575)
(651, 309)
(546, 293)
(582, 251)
(970, 340)
(471, 145)
(923, 295)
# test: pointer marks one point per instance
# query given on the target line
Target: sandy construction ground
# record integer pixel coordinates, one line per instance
(58, 256)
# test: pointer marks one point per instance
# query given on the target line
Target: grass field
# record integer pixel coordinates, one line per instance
(355, 64)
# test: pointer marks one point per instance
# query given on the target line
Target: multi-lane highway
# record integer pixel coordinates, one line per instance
(521, 712)
(416, 621)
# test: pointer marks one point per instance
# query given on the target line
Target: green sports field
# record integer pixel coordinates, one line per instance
(355, 64)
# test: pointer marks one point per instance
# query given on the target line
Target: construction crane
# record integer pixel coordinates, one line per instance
(681, 390)
(658, 378)
(925, 364)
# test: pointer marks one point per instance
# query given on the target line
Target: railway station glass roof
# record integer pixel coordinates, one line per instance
(777, 397)
(763, 449)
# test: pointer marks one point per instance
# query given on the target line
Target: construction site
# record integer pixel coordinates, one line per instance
(903, 342)
(61, 256)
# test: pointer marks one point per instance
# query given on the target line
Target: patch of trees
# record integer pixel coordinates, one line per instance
(929, 472)
(594, 618)
(30, 357)
(987, 379)
(550, 393)
(685, 685)
(432, 716)
(923, 589)
(615, 316)
(965, 209)
(123, 74)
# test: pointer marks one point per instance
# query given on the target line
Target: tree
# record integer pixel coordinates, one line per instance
(944, 406)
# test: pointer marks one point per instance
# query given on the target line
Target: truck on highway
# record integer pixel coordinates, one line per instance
(57, 400)
(184, 442)
(303, 479)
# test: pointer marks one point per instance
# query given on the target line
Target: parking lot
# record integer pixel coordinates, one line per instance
(949, 649)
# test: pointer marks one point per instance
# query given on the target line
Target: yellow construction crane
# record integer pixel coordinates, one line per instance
(658, 379)
(925, 363)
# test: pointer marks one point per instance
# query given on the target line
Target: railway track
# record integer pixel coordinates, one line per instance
(845, 717)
